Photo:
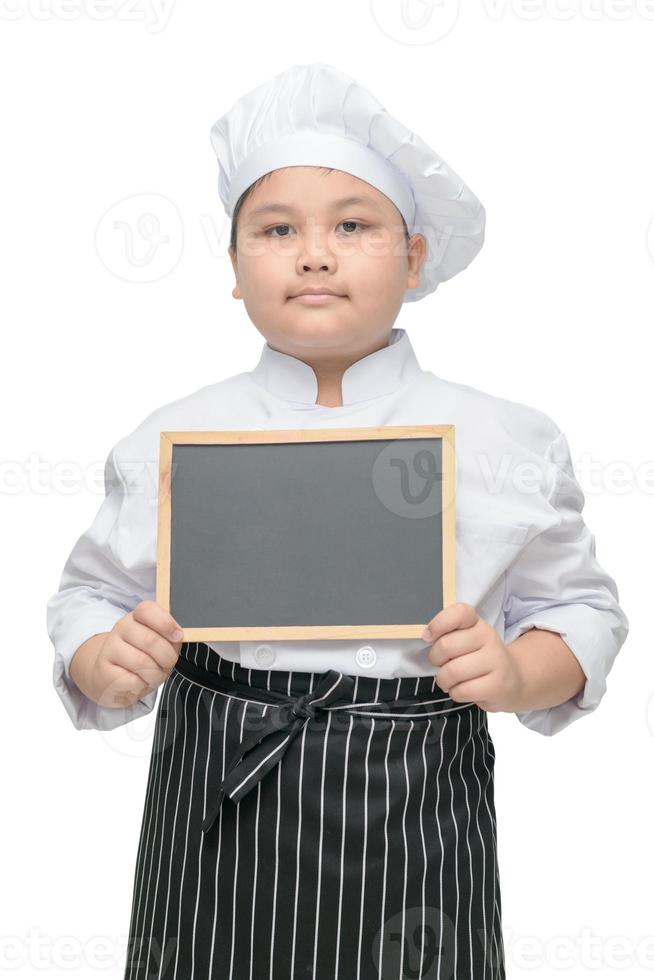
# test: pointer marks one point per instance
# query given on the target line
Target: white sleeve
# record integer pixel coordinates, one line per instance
(556, 583)
(100, 583)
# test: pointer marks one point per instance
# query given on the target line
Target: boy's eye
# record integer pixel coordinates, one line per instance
(269, 231)
(274, 228)
(353, 223)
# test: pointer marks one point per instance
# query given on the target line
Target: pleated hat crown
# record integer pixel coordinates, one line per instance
(316, 115)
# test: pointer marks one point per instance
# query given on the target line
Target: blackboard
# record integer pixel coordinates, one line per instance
(308, 533)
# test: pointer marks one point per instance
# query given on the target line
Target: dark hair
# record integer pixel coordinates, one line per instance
(246, 193)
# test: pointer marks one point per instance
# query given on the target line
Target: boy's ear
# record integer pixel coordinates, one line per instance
(236, 293)
(416, 256)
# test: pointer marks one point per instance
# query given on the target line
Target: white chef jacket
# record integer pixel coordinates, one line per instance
(524, 556)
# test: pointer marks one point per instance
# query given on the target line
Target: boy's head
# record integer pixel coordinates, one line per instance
(305, 140)
(299, 228)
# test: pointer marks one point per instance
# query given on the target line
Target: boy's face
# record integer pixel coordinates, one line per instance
(358, 250)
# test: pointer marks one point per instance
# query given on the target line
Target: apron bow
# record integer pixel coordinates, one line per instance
(262, 749)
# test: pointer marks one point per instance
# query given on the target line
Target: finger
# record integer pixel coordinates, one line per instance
(121, 686)
(460, 615)
(476, 690)
(457, 643)
(149, 613)
(144, 649)
(143, 669)
(465, 668)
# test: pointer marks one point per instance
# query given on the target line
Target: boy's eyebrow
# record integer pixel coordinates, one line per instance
(342, 202)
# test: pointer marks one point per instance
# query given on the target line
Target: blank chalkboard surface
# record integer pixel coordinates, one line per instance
(306, 533)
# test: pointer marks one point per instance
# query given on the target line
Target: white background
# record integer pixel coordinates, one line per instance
(545, 110)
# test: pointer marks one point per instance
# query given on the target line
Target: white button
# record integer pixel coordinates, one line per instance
(264, 655)
(366, 657)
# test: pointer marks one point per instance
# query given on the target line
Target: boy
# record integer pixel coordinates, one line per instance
(321, 807)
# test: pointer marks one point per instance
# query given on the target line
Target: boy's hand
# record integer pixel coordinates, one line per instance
(474, 664)
(136, 657)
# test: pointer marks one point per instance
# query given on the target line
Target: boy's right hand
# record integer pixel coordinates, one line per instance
(135, 658)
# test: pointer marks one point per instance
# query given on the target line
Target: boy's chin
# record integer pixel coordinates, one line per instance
(319, 329)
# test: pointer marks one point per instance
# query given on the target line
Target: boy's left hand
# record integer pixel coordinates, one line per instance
(474, 664)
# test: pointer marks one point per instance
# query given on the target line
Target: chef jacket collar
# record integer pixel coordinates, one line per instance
(379, 373)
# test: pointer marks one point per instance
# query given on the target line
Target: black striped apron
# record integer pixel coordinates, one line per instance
(315, 825)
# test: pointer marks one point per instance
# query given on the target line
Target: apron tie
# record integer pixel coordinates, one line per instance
(263, 749)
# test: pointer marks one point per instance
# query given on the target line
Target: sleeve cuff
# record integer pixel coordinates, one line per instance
(594, 642)
(83, 711)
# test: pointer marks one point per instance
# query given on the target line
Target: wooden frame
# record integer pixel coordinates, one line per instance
(170, 439)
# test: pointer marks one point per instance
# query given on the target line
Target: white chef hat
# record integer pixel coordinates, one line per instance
(316, 115)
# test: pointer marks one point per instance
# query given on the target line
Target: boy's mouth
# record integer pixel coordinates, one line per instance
(316, 299)
(316, 296)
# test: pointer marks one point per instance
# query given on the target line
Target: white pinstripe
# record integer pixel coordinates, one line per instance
(440, 837)
(424, 848)
(406, 853)
(467, 837)
(297, 856)
(343, 825)
(456, 846)
(238, 838)
(320, 840)
(279, 811)
(204, 805)
(383, 902)
(365, 847)
(220, 838)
